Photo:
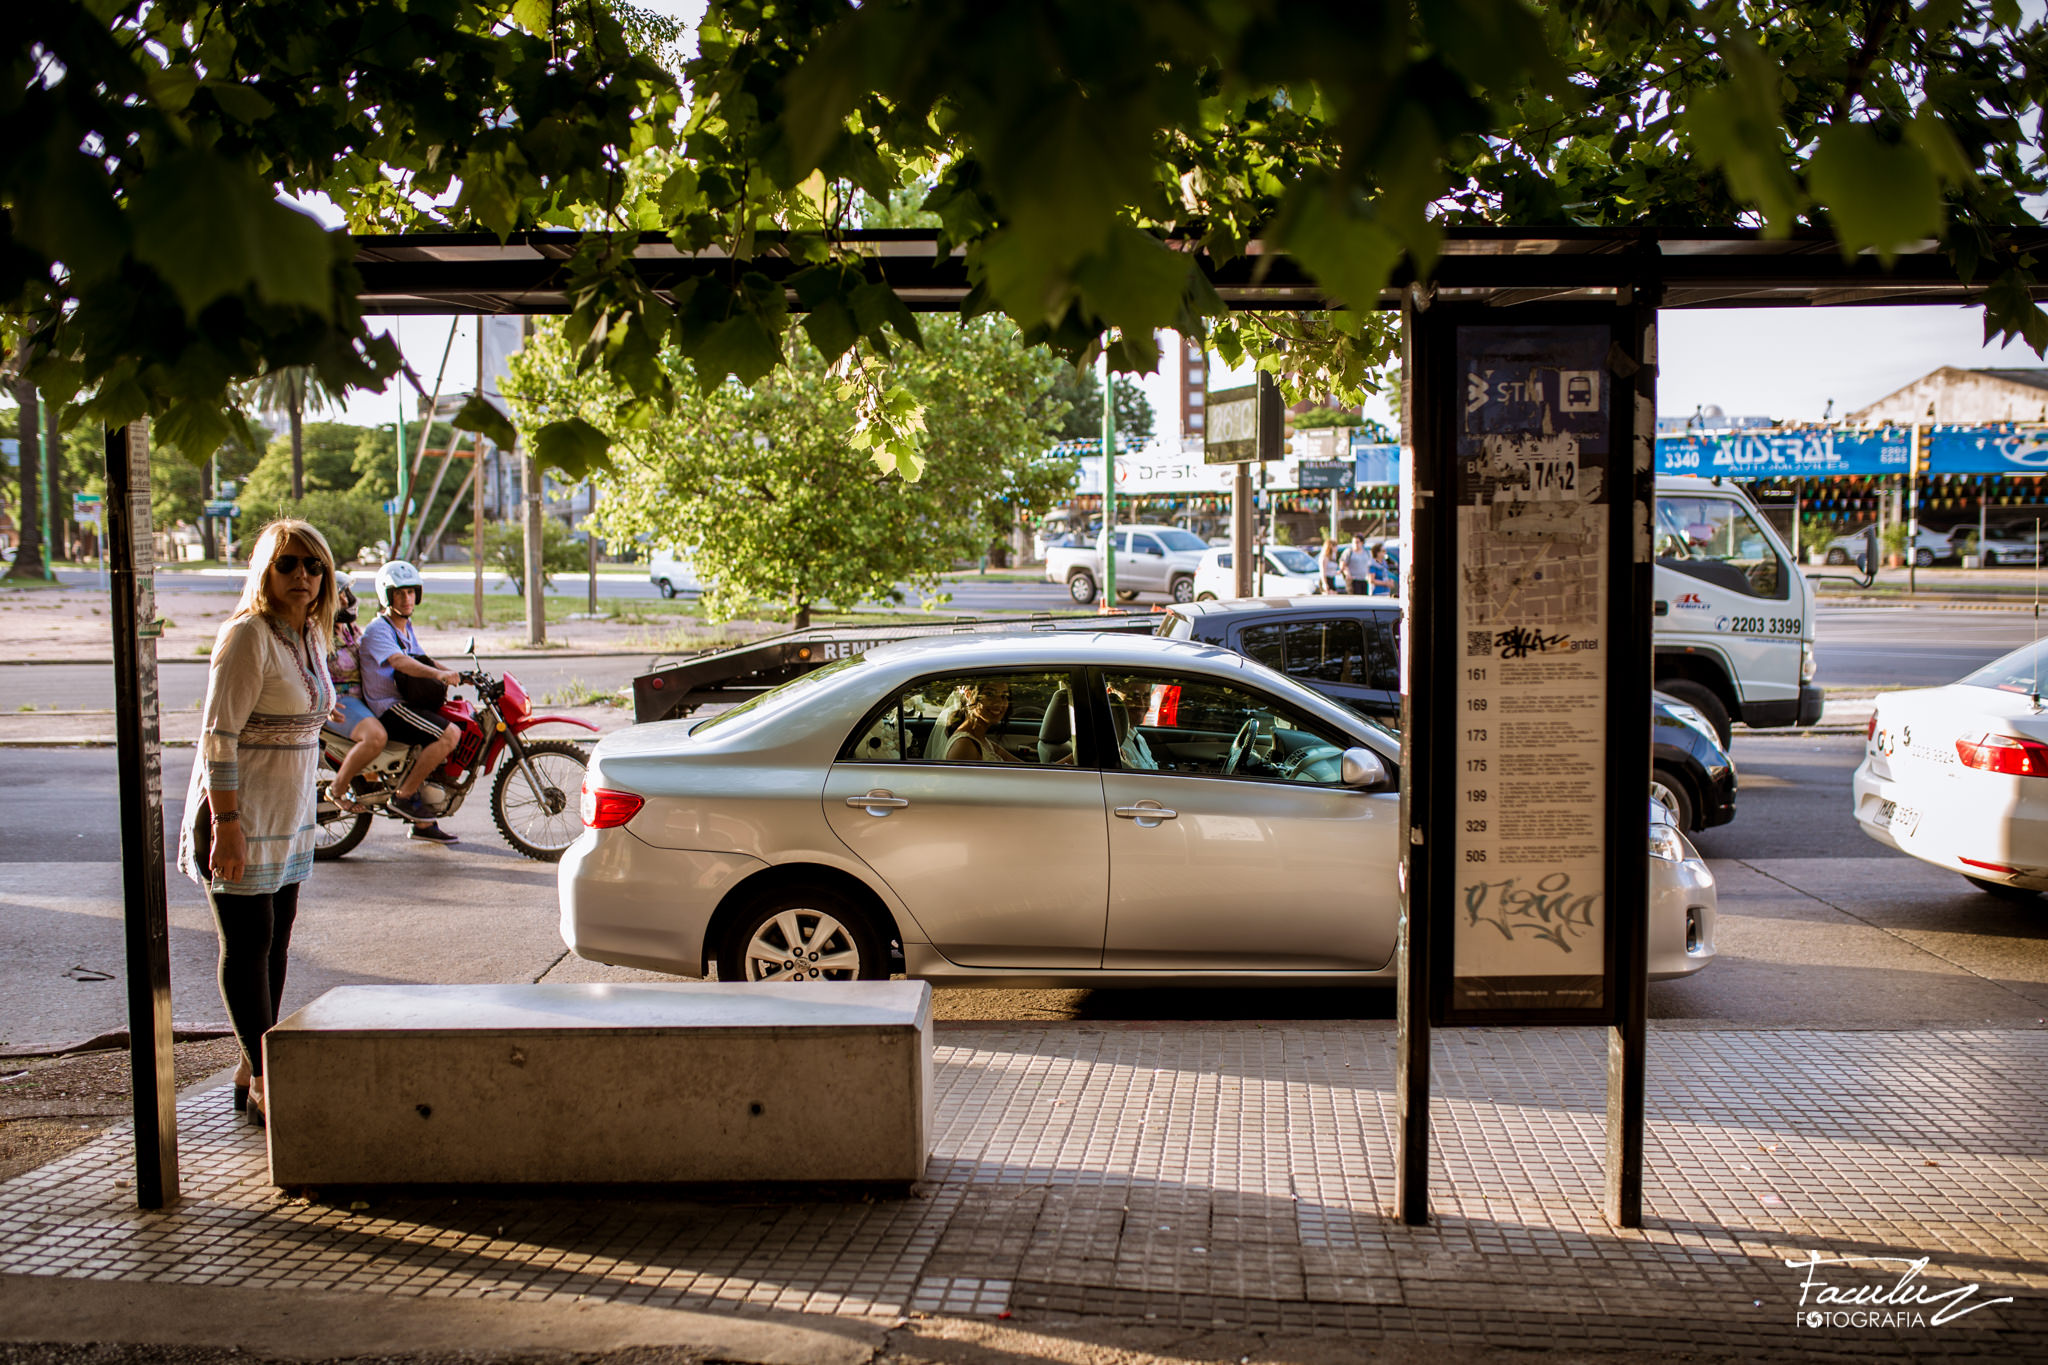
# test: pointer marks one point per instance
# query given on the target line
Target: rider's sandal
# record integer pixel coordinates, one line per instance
(343, 802)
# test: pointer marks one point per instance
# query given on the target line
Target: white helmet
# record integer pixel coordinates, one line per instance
(397, 573)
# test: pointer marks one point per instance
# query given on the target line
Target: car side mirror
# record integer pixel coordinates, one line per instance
(1364, 770)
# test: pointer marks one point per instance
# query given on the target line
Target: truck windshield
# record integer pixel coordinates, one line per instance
(1717, 541)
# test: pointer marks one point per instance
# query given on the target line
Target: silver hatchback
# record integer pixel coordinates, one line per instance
(1070, 810)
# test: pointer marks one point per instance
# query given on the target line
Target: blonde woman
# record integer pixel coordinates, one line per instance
(248, 835)
(1331, 566)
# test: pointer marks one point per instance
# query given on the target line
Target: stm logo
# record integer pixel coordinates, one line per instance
(1690, 600)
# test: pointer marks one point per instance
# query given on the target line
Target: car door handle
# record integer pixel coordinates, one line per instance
(877, 803)
(1148, 814)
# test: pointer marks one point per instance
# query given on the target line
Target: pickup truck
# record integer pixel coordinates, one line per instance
(1155, 559)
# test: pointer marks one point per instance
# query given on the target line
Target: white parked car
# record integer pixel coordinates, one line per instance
(1994, 549)
(1290, 572)
(1928, 548)
(1033, 809)
(1957, 776)
(671, 572)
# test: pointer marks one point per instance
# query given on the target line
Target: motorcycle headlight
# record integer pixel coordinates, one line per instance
(1666, 842)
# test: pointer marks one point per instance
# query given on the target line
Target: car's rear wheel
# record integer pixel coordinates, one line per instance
(805, 932)
(668, 589)
(1205, 597)
(1923, 558)
(2019, 894)
(1991, 559)
(1126, 594)
(1081, 587)
(1667, 789)
(1183, 589)
(1704, 700)
(1838, 557)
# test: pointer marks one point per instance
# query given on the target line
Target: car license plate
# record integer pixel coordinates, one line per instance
(1893, 816)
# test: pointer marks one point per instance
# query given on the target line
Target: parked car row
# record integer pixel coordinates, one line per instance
(2000, 544)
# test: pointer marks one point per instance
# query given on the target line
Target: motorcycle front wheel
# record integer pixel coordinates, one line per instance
(541, 824)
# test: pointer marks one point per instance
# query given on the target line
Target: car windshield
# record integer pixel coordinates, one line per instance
(777, 699)
(2020, 671)
(1181, 541)
(1292, 559)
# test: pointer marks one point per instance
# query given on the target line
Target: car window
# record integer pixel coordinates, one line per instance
(776, 699)
(1292, 559)
(1145, 545)
(1330, 651)
(1262, 643)
(1223, 560)
(1717, 541)
(1196, 727)
(971, 718)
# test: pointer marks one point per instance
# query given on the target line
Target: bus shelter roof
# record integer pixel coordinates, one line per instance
(440, 273)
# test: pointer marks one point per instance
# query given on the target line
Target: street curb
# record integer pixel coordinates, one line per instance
(180, 1033)
(313, 1324)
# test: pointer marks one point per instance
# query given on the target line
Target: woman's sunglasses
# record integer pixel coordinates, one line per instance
(289, 565)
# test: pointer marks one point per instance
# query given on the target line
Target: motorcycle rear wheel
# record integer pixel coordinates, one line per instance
(541, 824)
(335, 832)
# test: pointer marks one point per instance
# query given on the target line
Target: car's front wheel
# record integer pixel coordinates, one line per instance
(802, 933)
(1991, 559)
(1668, 790)
(1838, 557)
(668, 589)
(1924, 558)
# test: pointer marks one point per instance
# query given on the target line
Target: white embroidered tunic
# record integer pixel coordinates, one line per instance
(266, 697)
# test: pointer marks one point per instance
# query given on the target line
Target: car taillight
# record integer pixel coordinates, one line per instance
(1870, 727)
(2004, 754)
(605, 809)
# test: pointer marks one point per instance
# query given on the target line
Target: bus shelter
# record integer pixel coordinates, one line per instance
(1530, 452)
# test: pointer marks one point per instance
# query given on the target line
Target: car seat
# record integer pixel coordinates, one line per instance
(1056, 731)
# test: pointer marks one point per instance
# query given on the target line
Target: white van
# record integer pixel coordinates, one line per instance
(671, 572)
(1734, 616)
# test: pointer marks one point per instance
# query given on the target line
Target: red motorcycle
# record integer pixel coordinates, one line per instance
(534, 800)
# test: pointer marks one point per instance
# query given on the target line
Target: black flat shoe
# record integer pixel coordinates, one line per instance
(241, 1098)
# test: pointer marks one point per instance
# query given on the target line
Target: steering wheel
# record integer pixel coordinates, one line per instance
(1241, 745)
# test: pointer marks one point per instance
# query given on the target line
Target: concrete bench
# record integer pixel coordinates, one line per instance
(545, 1084)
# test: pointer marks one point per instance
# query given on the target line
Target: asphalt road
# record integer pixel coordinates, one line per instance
(1818, 925)
(1913, 646)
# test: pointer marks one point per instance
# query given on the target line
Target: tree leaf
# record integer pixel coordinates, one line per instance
(573, 447)
(481, 414)
(1880, 194)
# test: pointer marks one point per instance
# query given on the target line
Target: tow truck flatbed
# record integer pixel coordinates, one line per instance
(745, 671)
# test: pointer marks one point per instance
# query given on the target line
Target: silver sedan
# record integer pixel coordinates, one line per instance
(1069, 810)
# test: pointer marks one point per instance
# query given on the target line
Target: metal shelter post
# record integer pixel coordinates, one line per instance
(131, 563)
(1421, 473)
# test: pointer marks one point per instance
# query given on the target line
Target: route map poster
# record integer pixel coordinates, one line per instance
(1531, 491)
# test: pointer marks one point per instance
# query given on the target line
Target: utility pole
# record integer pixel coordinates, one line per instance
(1108, 485)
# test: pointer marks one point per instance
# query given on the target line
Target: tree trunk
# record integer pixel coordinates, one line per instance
(799, 611)
(57, 527)
(206, 545)
(297, 408)
(28, 554)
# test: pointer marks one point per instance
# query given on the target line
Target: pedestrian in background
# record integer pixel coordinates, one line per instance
(1379, 572)
(1358, 566)
(248, 828)
(1330, 566)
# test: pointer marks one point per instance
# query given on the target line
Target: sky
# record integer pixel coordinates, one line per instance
(1784, 363)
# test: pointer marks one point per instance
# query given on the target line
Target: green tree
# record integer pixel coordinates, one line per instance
(293, 390)
(1082, 393)
(1327, 417)
(328, 458)
(771, 500)
(148, 261)
(561, 552)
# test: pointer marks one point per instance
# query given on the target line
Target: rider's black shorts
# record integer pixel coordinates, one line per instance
(407, 726)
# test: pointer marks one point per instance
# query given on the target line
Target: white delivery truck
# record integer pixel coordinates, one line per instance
(1734, 616)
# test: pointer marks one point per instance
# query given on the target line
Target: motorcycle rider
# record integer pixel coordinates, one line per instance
(351, 714)
(385, 652)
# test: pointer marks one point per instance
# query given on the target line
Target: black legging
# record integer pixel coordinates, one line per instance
(255, 936)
